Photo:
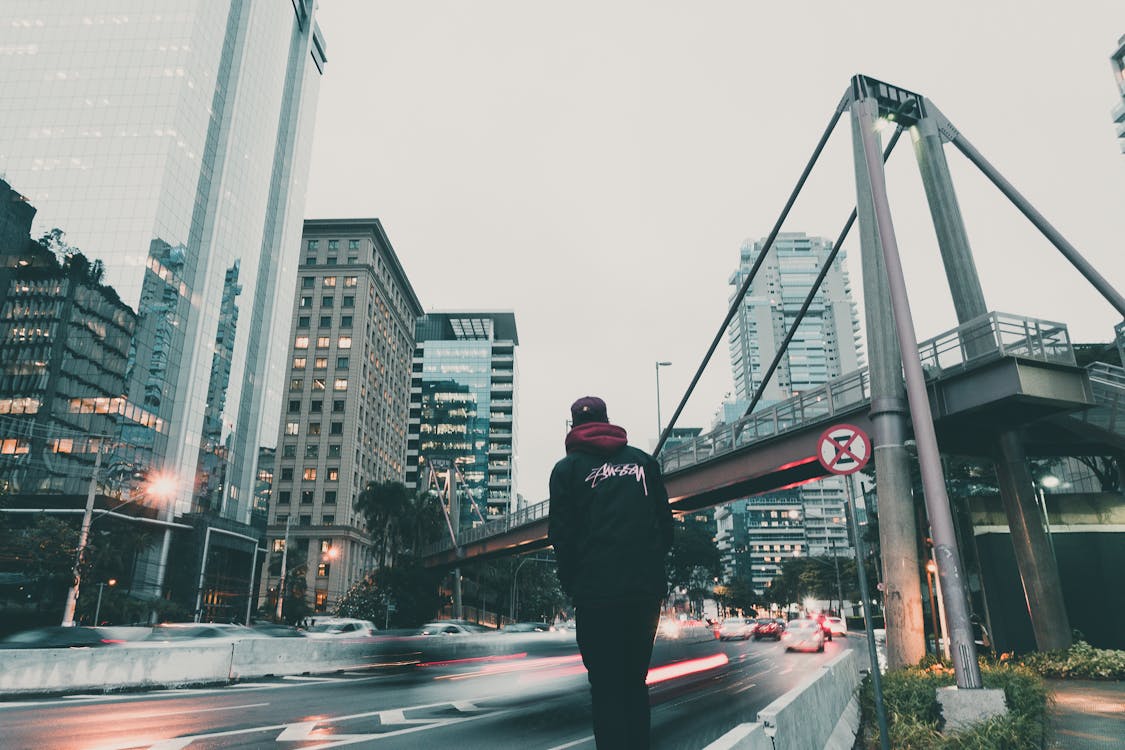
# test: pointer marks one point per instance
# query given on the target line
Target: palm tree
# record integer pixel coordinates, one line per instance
(383, 504)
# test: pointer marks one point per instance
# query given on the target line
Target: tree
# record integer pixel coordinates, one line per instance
(383, 505)
(695, 562)
(408, 587)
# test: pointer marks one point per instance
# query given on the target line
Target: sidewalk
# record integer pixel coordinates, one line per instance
(1086, 714)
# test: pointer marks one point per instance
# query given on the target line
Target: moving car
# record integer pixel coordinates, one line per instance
(804, 635)
(736, 627)
(57, 636)
(528, 627)
(768, 628)
(837, 626)
(332, 627)
(191, 631)
(453, 627)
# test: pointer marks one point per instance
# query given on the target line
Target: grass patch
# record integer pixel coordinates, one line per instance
(1079, 662)
(913, 715)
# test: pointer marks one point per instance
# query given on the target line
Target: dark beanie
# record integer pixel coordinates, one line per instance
(588, 409)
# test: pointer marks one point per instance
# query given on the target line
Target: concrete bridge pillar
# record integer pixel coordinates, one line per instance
(898, 531)
(1034, 556)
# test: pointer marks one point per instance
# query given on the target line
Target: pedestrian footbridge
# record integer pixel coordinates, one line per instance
(995, 373)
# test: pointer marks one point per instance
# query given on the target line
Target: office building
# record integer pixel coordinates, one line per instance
(1117, 61)
(757, 534)
(463, 409)
(170, 140)
(344, 413)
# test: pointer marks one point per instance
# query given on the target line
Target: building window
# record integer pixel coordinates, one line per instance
(289, 450)
(329, 281)
(307, 282)
(305, 521)
(283, 497)
(327, 302)
(320, 363)
(299, 363)
(301, 342)
(340, 384)
(337, 407)
(303, 321)
(315, 407)
(312, 450)
(344, 342)
(336, 429)
(342, 363)
(351, 281)
(314, 244)
(331, 260)
(282, 518)
(306, 303)
(333, 244)
(353, 244)
(325, 321)
(296, 384)
(294, 406)
(306, 497)
(310, 261)
(330, 497)
(292, 428)
(353, 259)
(345, 321)
(333, 451)
(349, 301)
(309, 474)
(314, 428)
(318, 384)
(321, 572)
(322, 342)
(333, 474)
(329, 520)
(287, 474)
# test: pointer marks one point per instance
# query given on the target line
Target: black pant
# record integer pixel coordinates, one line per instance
(616, 645)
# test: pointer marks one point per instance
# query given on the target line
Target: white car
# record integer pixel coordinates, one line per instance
(803, 635)
(736, 627)
(837, 626)
(335, 627)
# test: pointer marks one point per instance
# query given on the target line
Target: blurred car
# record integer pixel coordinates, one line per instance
(837, 626)
(736, 627)
(804, 635)
(57, 636)
(668, 628)
(528, 627)
(768, 628)
(453, 627)
(192, 631)
(822, 620)
(333, 627)
(275, 630)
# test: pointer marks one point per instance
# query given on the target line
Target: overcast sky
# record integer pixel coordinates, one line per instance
(595, 166)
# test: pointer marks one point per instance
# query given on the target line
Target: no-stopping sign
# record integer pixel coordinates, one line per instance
(843, 449)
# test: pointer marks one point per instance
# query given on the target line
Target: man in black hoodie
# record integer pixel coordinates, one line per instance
(611, 528)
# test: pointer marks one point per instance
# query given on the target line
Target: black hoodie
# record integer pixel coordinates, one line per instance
(610, 523)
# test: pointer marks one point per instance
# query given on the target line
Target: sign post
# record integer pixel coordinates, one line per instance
(843, 450)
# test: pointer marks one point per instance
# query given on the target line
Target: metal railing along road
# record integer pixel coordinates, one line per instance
(989, 337)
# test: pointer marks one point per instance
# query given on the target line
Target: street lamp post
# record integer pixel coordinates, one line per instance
(83, 539)
(284, 559)
(98, 608)
(659, 421)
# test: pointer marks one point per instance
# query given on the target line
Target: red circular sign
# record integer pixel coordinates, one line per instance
(843, 449)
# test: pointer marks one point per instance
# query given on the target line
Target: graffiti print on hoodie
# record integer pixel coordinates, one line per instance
(607, 471)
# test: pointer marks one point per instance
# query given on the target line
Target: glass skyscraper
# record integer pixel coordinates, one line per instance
(169, 140)
(463, 408)
(1117, 60)
(756, 535)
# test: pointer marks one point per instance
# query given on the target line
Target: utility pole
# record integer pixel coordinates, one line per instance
(83, 540)
(281, 588)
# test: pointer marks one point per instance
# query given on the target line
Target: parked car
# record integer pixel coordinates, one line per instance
(528, 627)
(736, 627)
(57, 636)
(837, 626)
(768, 628)
(453, 627)
(191, 631)
(333, 627)
(804, 635)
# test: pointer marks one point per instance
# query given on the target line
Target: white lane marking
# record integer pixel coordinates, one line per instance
(297, 732)
(176, 743)
(308, 678)
(744, 689)
(731, 739)
(572, 744)
(198, 711)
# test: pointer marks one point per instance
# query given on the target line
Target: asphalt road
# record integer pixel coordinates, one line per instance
(524, 703)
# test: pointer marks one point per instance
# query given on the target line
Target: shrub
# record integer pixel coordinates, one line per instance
(913, 714)
(1081, 662)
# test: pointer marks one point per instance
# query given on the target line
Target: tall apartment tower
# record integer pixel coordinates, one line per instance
(1117, 60)
(344, 412)
(170, 140)
(757, 534)
(463, 409)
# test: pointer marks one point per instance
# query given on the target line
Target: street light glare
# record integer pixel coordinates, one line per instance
(1050, 481)
(161, 485)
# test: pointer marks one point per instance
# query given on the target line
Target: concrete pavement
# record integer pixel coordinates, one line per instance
(1086, 714)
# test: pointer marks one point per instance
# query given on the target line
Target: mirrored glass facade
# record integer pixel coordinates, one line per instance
(169, 139)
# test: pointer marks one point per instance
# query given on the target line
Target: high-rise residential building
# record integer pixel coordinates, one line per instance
(170, 139)
(344, 412)
(757, 534)
(1117, 60)
(463, 409)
